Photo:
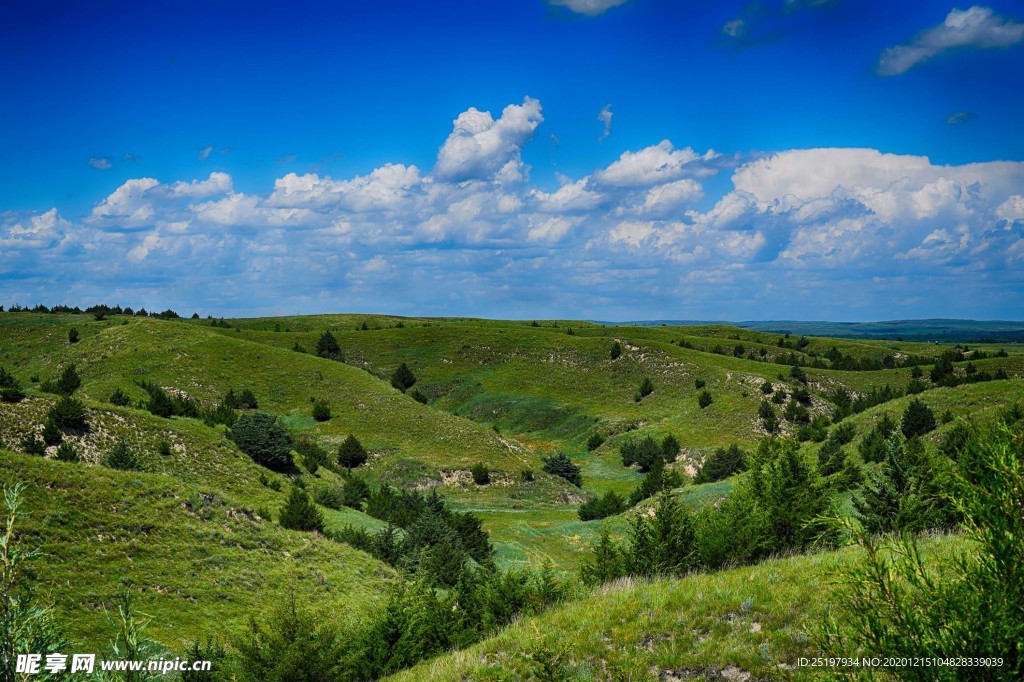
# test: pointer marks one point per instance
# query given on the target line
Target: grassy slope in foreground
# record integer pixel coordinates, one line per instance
(197, 565)
(757, 620)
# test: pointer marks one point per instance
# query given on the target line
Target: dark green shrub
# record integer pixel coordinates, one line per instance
(210, 650)
(52, 435)
(595, 441)
(608, 504)
(670, 448)
(526, 475)
(122, 457)
(321, 411)
(258, 435)
(164, 449)
(69, 415)
(843, 433)
(330, 496)
(721, 463)
(872, 446)
(816, 430)
(657, 479)
(243, 400)
(419, 396)
(704, 399)
(351, 453)
(766, 388)
(327, 347)
(69, 381)
(699, 383)
(769, 420)
(918, 419)
(311, 454)
(66, 452)
(616, 350)
(481, 474)
(299, 512)
(643, 452)
(72, 335)
(403, 378)
(562, 466)
(355, 492)
(119, 398)
(904, 493)
(646, 387)
(33, 445)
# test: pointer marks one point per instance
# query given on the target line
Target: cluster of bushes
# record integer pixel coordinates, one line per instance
(560, 465)
(10, 387)
(721, 463)
(67, 383)
(609, 504)
(436, 541)
(327, 347)
(646, 452)
(771, 510)
(99, 311)
(416, 622)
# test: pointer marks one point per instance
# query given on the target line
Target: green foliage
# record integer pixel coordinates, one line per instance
(816, 430)
(243, 400)
(119, 398)
(52, 435)
(66, 452)
(68, 414)
(918, 419)
(873, 446)
(163, 404)
(311, 455)
(122, 457)
(73, 335)
(481, 474)
(646, 387)
(895, 603)
(299, 512)
(26, 625)
(327, 347)
(560, 465)
(904, 493)
(721, 463)
(403, 378)
(260, 436)
(293, 644)
(321, 411)
(616, 351)
(355, 492)
(211, 650)
(608, 504)
(644, 452)
(699, 383)
(704, 399)
(32, 444)
(526, 475)
(594, 441)
(69, 381)
(769, 420)
(657, 479)
(330, 496)
(351, 453)
(670, 448)
(10, 387)
(419, 396)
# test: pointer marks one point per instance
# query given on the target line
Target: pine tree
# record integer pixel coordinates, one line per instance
(560, 465)
(351, 453)
(122, 457)
(67, 452)
(918, 419)
(69, 381)
(68, 414)
(51, 433)
(704, 399)
(119, 398)
(73, 335)
(327, 347)
(10, 388)
(403, 378)
(321, 411)
(607, 562)
(300, 513)
(616, 350)
(259, 435)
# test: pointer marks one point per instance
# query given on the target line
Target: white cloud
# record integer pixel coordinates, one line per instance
(671, 196)
(101, 163)
(976, 27)
(605, 117)
(591, 8)
(1012, 209)
(205, 152)
(572, 196)
(217, 183)
(551, 229)
(653, 165)
(129, 204)
(478, 146)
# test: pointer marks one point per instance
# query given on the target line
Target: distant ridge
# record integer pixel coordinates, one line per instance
(935, 329)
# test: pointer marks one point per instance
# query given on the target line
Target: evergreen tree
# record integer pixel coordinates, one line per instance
(608, 504)
(560, 465)
(481, 475)
(595, 441)
(10, 388)
(616, 350)
(68, 414)
(872, 446)
(769, 420)
(67, 452)
(327, 347)
(351, 453)
(646, 387)
(73, 335)
(403, 378)
(51, 433)
(670, 448)
(704, 399)
(119, 398)
(300, 513)
(321, 411)
(31, 444)
(122, 457)
(918, 419)
(643, 452)
(607, 563)
(69, 381)
(260, 436)
(721, 463)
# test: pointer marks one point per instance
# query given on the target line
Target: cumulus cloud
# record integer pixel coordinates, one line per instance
(652, 165)
(479, 146)
(590, 8)
(476, 234)
(605, 118)
(976, 27)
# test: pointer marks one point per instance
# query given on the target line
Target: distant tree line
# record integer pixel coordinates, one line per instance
(99, 310)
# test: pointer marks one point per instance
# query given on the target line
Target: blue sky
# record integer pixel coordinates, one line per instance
(799, 159)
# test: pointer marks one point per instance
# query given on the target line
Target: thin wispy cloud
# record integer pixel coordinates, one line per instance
(101, 163)
(973, 28)
(605, 118)
(590, 8)
(961, 117)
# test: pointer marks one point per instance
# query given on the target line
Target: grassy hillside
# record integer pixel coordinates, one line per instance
(199, 561)
(741, 624)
